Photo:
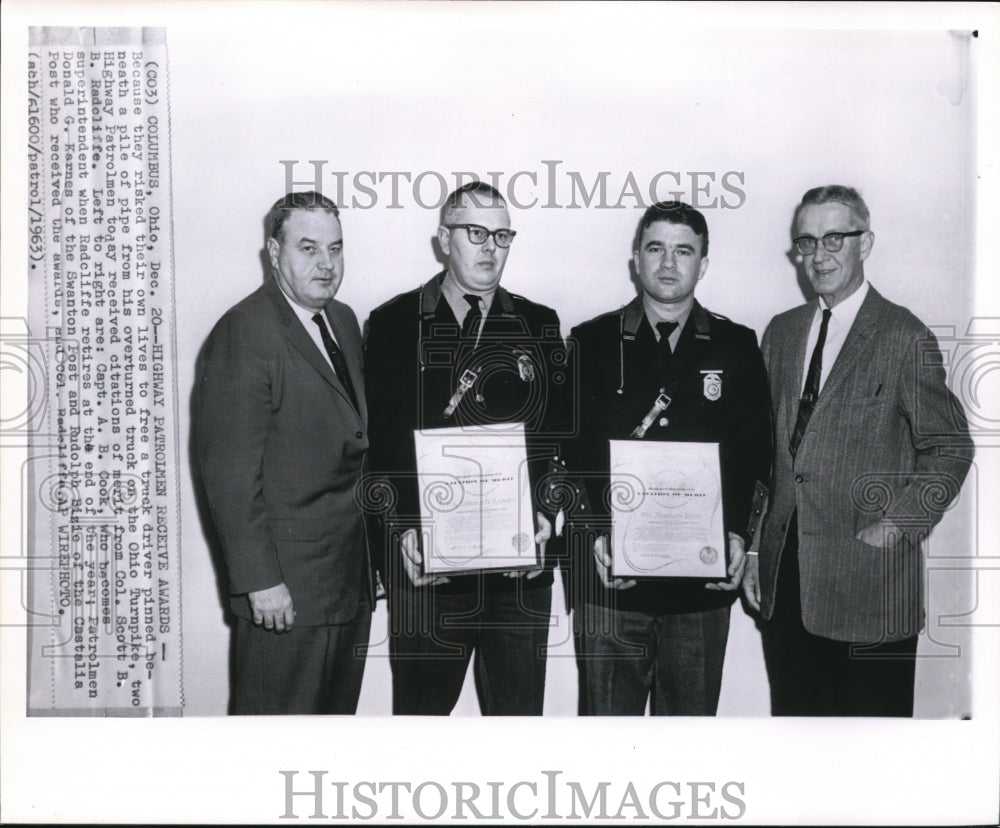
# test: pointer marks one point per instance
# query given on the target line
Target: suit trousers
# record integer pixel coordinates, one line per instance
(433, 635)
(672, 660)
(815, 676)
(310, 670)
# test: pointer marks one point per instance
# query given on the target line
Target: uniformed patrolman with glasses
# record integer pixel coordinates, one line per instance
(461, 351)
(870, 450)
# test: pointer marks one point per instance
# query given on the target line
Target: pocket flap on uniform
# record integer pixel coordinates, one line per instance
(296, 529)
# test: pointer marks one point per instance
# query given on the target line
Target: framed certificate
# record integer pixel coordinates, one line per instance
(666, 505)
(475, 499)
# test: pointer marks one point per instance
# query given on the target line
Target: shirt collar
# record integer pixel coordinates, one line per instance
(846, 312)
(304, 314)
(455, 295)
(430, 295)
(654, 314)
(633, 314)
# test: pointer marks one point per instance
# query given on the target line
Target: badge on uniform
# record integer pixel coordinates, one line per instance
(525, 368)
(712, 384)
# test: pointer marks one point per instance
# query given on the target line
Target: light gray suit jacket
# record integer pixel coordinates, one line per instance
(887, 439)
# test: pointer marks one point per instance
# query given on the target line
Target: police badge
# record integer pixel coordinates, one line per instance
(525, 368)
(712, 384)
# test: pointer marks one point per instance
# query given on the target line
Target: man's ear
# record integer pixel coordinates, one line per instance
(444, 239)
(273, 249)
(867, 243)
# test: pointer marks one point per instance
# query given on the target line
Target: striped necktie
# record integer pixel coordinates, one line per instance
(811, 390)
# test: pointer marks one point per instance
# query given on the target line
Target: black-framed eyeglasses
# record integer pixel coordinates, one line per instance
(479, 234)
(832, 242)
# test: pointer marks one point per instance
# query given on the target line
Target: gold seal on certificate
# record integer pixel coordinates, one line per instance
(475, 499)
(666, 506)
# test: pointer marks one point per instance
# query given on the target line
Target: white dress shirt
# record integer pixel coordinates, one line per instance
(305, 316)
(841, 318)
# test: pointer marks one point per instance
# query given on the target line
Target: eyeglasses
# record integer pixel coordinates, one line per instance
(832, 242)
(479, 234)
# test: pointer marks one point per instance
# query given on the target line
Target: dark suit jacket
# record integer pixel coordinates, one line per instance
(886, 439)
(414, 357)
(620, 375)
(281, 448)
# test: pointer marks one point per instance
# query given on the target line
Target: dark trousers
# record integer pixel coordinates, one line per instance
(626, 658)
(432, 637)
(815, 676)
(306, 671)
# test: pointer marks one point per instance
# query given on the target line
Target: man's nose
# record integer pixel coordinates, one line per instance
(326, 260)
(490, 243)
(820, 254)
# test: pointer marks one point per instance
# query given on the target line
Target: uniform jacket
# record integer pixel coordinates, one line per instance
(718, 389)
(281, 449)
(414, 356)
(886, 439)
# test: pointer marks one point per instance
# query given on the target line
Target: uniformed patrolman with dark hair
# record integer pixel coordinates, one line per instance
(419, 346)
(662, 640)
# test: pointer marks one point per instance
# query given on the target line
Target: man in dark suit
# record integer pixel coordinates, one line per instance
(281, 440)
(662, 640)
(870, 449)
(419, 346)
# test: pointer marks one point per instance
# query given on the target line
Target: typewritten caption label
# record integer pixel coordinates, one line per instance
(104, 603)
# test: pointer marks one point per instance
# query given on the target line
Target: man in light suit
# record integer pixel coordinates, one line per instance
(870, 449)
(281, 442)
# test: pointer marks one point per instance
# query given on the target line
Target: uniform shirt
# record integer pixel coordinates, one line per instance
(654, 315)
(455, 297)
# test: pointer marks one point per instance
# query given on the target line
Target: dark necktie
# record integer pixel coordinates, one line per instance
(811, 390)
(337, 358)
(470, 328)
(665, 329)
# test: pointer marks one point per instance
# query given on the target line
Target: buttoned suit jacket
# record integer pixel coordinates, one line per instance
(886, 439)
(281, 449)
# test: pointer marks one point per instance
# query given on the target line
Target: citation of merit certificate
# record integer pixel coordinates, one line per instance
(475, 499)
(666, 505)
